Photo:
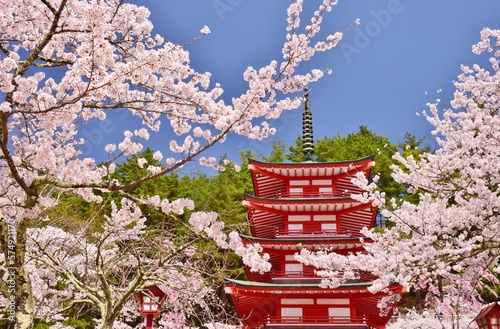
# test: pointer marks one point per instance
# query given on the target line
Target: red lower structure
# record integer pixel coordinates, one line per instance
(306, 205)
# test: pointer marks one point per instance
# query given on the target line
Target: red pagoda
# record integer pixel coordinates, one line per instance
(306, 205)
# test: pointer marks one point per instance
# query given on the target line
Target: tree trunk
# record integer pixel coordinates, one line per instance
(107, 323)
(418, 299)
(23, 294)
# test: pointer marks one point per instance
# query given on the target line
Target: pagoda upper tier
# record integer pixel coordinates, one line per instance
(307, 179)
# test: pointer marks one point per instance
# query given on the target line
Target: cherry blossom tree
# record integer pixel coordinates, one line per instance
(101, 270)
(70, 63)
(446, 242)
(432, 320)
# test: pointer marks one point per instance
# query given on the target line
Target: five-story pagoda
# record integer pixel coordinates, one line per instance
(306, 205)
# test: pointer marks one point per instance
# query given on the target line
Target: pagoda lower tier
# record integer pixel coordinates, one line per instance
(307, 305)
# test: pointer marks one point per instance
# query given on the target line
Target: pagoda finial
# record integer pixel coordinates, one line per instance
(307, 129)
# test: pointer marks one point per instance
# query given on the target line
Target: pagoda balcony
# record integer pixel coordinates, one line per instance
(313, 194)
(312, 233)
(286, 322)
(294, 277)
(310, 277)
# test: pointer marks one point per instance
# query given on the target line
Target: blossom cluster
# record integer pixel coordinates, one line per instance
(68, 64)
(446, 240)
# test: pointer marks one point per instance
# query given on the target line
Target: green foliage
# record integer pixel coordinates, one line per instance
(278, 153)
(74, 214)
(222, 194)
(295, 152)
(78, 324)
(411, 147)
(379, 230)
(41, 325)
(71, 322)
(130, 171)
(355, 146)
(490, 287)
(165, 186)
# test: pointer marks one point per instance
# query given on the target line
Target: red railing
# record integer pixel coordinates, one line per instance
(313, 194)
(329, 322)
(312, 232)
(294, 275)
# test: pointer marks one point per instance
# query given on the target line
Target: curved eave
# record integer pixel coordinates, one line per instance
(254, 288)
(297, 170)
(304, 204)
(341, 199)
(333, 244)
(306, 239)
(272, 179)
(329, 164)
(277, 288)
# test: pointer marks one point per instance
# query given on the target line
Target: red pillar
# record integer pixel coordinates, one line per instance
(149, 321)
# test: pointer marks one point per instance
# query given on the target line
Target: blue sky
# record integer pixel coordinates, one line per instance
(382, 69)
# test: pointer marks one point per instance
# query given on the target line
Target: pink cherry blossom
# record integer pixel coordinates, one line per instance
(67, 65)
(445, 242)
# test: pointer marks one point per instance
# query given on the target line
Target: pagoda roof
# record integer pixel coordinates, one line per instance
(486, 309)
(309, 287)
(306, 205)
(308, 169)
(333, 242)
(270, 179)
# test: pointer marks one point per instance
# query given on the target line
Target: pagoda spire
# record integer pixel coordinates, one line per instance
(307, 129)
